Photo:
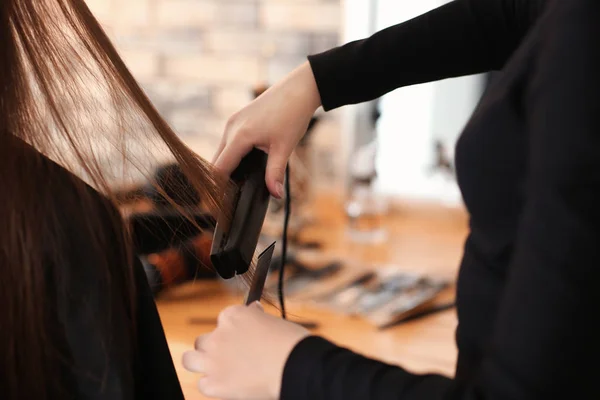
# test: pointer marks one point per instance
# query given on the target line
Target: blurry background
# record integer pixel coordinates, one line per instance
(378, 236)
(414, 120)
(199, 61)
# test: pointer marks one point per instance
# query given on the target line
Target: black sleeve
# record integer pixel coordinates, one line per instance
(545, 341)
(460, 38)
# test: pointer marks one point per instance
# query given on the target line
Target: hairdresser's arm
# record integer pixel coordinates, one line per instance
(460, 38)
(545, 343)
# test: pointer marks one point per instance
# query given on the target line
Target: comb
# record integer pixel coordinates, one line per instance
(260, 275)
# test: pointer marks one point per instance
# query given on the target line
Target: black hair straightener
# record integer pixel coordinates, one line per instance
(234, 244)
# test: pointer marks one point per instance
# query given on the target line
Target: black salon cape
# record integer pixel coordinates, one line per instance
(153, 375)
(528, 166)
(100, 361)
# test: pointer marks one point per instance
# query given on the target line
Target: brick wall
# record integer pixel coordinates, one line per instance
(199, 59)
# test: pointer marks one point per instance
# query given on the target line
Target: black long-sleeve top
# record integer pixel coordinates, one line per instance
(528, 166)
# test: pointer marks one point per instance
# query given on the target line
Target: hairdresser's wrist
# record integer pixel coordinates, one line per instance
(311, 87)
(275, 389)
(304, 86)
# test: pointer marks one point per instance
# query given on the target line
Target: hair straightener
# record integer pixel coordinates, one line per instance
(234, 244)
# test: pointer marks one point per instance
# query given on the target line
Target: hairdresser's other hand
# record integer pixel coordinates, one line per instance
(244, 357)
(274, 122)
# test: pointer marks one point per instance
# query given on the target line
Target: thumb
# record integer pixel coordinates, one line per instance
(276, 165)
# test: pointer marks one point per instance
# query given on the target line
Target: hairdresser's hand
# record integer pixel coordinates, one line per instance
(274, 122)
(244, 357)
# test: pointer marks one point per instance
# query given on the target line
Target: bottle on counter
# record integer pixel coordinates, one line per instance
(365, 208)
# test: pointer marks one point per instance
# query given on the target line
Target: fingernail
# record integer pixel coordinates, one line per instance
(279, 189)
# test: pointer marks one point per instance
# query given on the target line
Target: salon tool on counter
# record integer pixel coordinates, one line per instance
(342, 298)
(177, 264)
(422, 314)
(385, 296)
(213, 321)
(387, 289)
(168, 184)
(156, 231)
(412, 301)
(443, 161)
(365, 208)
(301, 276)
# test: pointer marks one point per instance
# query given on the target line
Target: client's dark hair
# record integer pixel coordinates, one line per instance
(65, 92)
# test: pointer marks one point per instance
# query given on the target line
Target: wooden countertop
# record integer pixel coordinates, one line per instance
(426, 240)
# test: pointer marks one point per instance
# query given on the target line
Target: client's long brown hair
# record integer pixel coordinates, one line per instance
(66, 94)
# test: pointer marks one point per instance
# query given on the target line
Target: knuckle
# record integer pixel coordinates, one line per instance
(227, 314)
(223, 142)
(194, 361)
(243, 131)
(208, 388)
(201, 341)
(222, 318)
(213, 343)
(237, 309)
(234, 125)
(227, 311)
(244, 136)
(187, 359)
(278, 170)
(231, 122)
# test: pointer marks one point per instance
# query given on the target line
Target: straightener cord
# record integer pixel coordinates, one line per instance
(286, 218)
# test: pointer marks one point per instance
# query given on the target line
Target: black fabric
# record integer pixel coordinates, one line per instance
(460, 38)
(156, 377)
(153, 276)
(528, 165)
(107, 352)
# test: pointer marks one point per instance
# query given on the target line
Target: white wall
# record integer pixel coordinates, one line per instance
(358, 21)
(412, 117)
